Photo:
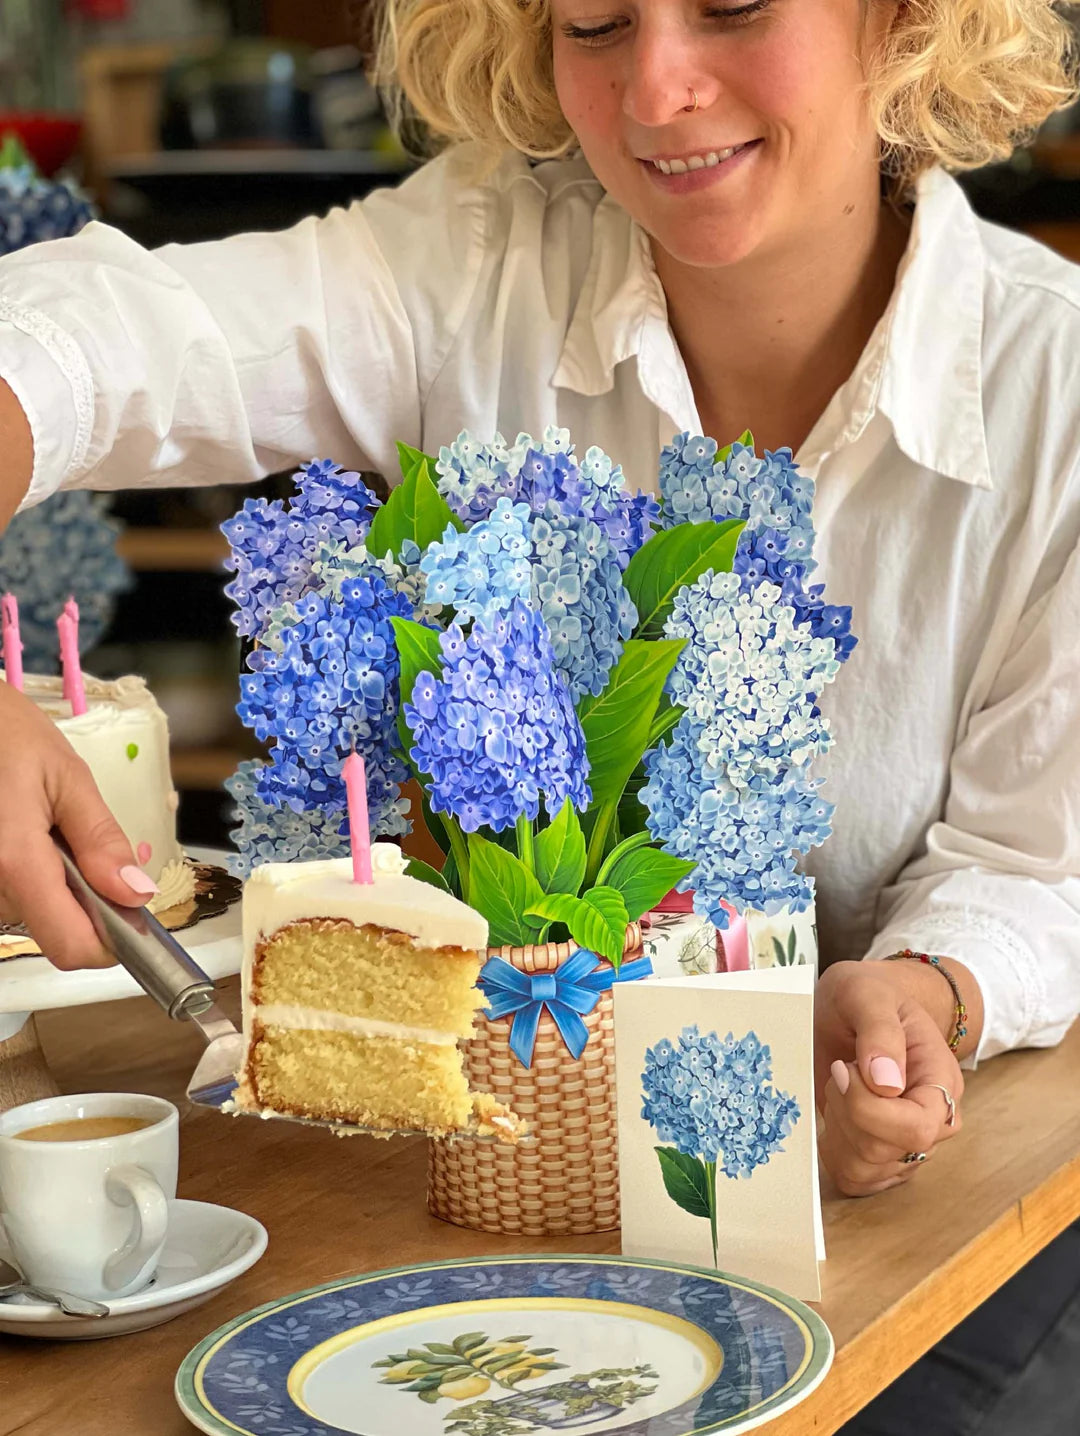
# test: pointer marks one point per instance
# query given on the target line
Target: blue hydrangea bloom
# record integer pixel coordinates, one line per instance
(326, 682)
(712, 1100)
(496, 731)
(274, 548)
(731, 788)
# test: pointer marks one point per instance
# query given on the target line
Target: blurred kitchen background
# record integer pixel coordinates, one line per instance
(192, 119)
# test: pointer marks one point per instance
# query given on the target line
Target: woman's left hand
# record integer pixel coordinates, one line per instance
(890, 1045)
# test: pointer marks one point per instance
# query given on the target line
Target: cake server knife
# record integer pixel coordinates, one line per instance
(176, 982)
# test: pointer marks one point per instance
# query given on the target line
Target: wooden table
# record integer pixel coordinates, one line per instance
(903, 1268)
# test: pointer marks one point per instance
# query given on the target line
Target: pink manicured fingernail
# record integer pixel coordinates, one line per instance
(138, 881)
(886, 1073)
(841, 1076)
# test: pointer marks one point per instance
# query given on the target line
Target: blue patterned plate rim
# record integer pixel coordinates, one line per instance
(707, 1415)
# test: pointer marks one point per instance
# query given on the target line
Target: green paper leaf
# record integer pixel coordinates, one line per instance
(645, 876)
(745, 438)
(685, 1179)
(596, 921)
(502, 889)
(409, 458)
(132, 750)
(560, 853)
(617, 723)
(419, 652)
(779, 953)
(791, 946)
(425, 873)
(670, 560)
(415, 510)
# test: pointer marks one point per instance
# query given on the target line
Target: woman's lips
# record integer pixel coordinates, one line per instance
(694, 180)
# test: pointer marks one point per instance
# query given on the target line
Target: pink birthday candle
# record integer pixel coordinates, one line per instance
(9, 623)
(359, 833)
(71, 609)
(69, 658)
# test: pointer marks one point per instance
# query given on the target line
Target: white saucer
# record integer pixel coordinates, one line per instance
(207, 1248)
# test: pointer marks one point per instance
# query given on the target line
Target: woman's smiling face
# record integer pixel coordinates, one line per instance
(781, 141)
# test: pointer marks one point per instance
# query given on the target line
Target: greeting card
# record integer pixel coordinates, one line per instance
(717, 1132)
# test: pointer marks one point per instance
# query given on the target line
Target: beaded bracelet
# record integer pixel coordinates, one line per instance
(960, 1013)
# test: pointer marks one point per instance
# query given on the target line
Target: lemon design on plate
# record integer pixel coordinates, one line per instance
(474, 1366)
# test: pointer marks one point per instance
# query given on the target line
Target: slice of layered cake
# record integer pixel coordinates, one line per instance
(355, 996)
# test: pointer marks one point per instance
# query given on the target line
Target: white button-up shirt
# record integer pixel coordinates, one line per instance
(948, 474)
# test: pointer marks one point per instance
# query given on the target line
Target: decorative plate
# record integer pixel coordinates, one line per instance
(510, 1346)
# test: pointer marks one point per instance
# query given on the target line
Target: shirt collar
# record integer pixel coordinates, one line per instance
(921, 368)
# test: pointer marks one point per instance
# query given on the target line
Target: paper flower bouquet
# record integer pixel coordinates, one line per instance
(602, 697)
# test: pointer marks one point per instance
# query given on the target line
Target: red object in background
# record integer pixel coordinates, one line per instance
(49, 140)
(100, 9)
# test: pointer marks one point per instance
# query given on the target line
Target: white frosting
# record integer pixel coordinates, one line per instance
(124, 738)
(176, 884)
(277, 894)
(315, 1019)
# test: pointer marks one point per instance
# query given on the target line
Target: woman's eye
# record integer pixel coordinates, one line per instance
(592, 34)
(737, 12)
(603, 30)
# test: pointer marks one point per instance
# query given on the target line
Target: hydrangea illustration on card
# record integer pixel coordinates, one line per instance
(711, 1100)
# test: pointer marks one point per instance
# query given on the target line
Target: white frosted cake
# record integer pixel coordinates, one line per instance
(356, 995)
(124, 738)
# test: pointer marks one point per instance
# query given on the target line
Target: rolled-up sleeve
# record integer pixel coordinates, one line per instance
(998, 887)
(224, 361)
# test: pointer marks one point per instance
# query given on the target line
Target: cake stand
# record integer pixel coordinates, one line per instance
(32, 984)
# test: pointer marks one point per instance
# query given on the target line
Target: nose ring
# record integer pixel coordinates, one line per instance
(693, 100)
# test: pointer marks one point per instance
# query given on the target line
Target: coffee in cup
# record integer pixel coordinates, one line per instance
(84, 1129)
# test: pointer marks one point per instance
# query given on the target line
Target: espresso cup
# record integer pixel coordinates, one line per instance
(88, 1214)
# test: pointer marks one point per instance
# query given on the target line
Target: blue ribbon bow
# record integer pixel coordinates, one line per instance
(569, 992)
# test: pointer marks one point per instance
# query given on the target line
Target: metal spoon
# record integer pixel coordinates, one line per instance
(12, 1284)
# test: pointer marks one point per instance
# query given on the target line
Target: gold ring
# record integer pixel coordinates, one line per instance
(692, 106)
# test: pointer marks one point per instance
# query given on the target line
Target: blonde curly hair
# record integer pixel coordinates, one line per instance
(958, 83)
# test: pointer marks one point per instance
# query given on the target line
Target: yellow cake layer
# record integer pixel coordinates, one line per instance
(367, 972)
(369, 1081)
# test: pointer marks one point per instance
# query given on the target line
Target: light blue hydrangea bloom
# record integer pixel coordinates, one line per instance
(557, 560)
(474, 476)
(712, 1100)
(731, 788)
(279, 833)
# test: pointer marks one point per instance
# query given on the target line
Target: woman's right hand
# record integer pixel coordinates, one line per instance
(44, 784)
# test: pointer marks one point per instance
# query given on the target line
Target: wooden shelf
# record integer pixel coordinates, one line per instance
(173, 550)
(198, 163)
